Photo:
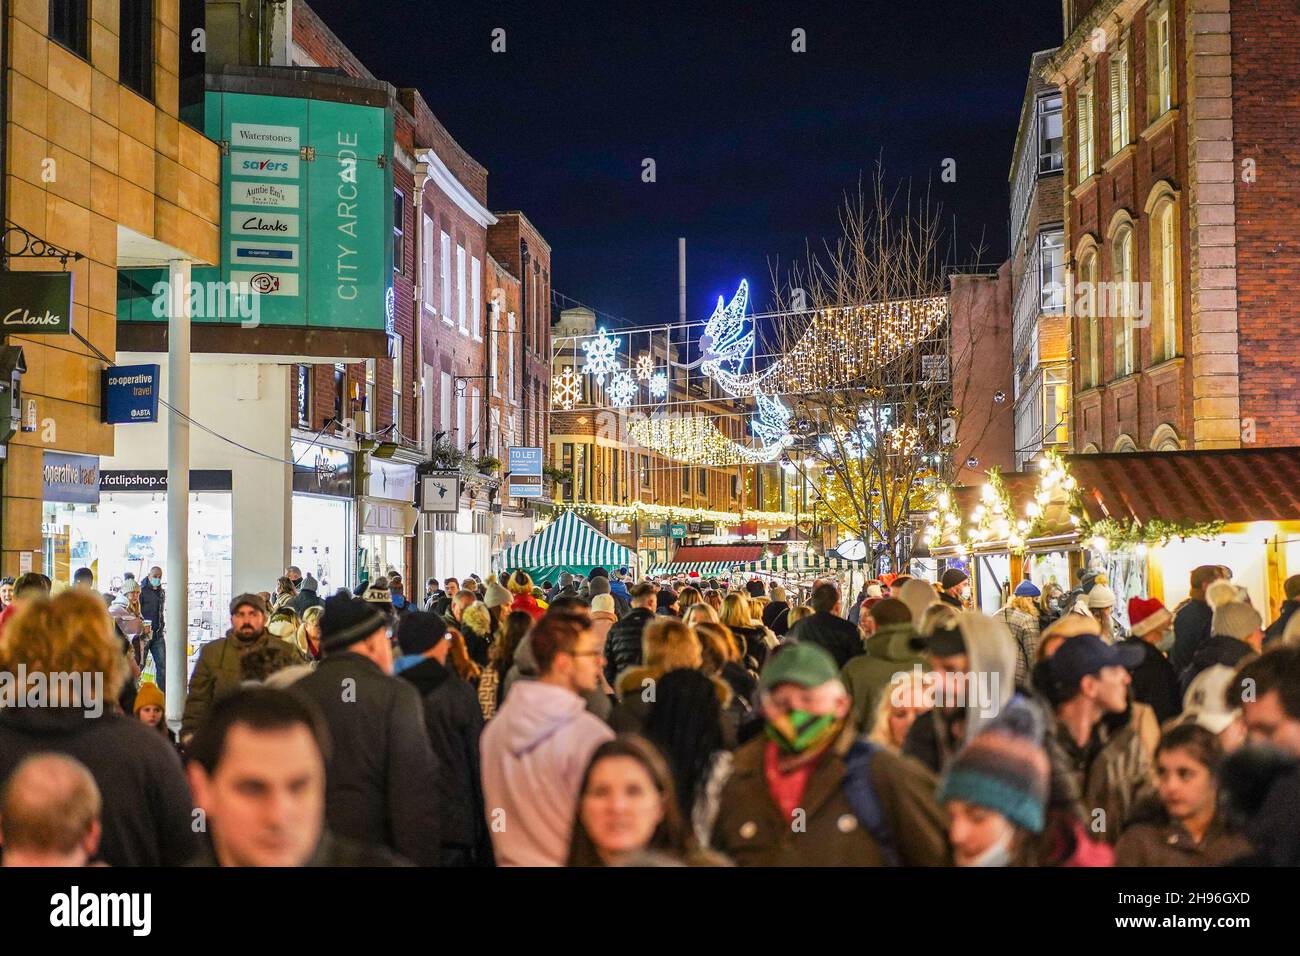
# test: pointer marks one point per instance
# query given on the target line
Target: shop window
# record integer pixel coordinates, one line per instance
(70, 25)
(135, 46)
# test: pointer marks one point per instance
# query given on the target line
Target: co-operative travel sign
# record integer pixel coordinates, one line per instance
(129, 393)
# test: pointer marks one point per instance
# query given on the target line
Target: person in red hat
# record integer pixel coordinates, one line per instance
(1154, 681)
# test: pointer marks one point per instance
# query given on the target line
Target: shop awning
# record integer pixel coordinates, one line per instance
(567, 544)
(1231, 485)
(705, 569)
(805, 561)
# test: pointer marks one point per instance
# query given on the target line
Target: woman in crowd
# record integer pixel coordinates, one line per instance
(797, 614)
(687, 724)
(1184, 824)
(688, 596)
(476, 629)
(501, 657)
(695, 613)
(736, 614)
(308, 637)
(521, 586)
(713, 598)
(126, 614)
(1101, 605)
(151, 709)
(1049, 604)
(1020, 614)
(776, 613)
(284, 592)
(284, 625)
(460, 658)
(603, 616)
(900, 705)
(627, 810)
(722, 655)
(666, 644)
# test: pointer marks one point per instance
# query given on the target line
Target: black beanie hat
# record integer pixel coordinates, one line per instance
(952, 577)
(419, 631)
(347, 620)
(598, 573)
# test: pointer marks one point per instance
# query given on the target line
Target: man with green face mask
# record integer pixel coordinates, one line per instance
(791, 798)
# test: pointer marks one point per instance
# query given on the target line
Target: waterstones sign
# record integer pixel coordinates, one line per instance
(306, 215)
(36, 303)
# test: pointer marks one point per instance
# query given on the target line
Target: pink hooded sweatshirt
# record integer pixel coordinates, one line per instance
(535, 751)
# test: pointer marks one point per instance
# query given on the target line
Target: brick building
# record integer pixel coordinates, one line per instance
(1181, 185)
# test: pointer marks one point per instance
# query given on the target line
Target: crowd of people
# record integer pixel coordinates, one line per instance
(598, 719)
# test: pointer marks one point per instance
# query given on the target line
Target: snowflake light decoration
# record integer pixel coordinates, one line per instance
(623, 389)
(645, 367)
(601, 357)
(566, 389)
(659, 385)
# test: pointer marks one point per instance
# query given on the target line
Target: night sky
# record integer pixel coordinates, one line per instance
(754, 144)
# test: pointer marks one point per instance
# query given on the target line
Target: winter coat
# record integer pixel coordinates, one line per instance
(146, 815)
(832, 633)
(751, 830)
(535, 752)
(1153, 839)
(601, 622)
(622, 598)
(867, 676)
(1114, 769)
(1155, 683)
(1216, 650)
(776, 617)
(454, 721)
(623, 643)
(633, 710)
(1274, 631)
(754, 640)
(1191, 630)
(304, 599)
(528, 604)
(130, 623)
(382, 780)
(1024, 631)
(216, 673)
(153, 602)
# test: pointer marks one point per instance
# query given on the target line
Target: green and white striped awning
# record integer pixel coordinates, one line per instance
(705, 569)
(567, 543)
(804, 561)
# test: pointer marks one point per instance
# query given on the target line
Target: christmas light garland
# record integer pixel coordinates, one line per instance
(642, 510)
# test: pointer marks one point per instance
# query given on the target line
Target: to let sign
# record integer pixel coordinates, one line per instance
(129, 393)
(36, 303)
(525, 466)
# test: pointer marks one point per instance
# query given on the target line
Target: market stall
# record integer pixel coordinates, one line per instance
(566, 544)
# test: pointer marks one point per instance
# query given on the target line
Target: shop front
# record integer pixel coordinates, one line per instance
(387, 520)
(322, 525)
(69, 516)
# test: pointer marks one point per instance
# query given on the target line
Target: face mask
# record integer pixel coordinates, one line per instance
(1166, 643)
(799, 730)
(999, 854)
(155, 581)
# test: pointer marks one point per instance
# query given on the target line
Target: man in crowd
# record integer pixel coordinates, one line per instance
(535, 750)
(49, 813)
(454, 723)
(802, 795)
(440, 600)
(826, 628)
(623, 643)
(83, 579)
(6, 592)
(306, 596)
(217, 671)
(383, 773)
(666, 602)
(1154, 680)
(1291, 588)
(294, 575)
(257, 769)
(565, 588)
(1267, 689)
(622, 596)
(955, 588)
(152, 609)
(889, 651)
(1192, 618)
(28, 587)
(1237, 633)
(599, 583)
(1111, 764)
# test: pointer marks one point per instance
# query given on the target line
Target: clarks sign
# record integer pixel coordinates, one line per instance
(36, 303)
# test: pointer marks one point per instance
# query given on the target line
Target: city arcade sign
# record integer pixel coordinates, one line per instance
(36, 303)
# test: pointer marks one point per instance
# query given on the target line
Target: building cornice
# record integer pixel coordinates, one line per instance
(1109, 16)
(442, 177)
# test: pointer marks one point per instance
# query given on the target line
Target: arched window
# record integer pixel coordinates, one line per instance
(1123, 300)
(1089, 327)
(1166, 327)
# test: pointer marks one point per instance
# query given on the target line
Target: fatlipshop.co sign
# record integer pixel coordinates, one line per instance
(36, 303)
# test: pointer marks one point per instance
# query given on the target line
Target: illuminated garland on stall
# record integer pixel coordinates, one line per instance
(642, 510)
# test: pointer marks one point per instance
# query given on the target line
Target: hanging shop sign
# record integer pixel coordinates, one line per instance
(440, 492)
(306, 218)
(129, 393)
(36, 303)
(620, 527)
(525, 467)
(387, 517)
(677, 530)
(390, 480)
(321, 470)
(71, 478)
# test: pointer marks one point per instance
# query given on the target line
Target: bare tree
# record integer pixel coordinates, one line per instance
(866, 349)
